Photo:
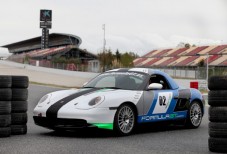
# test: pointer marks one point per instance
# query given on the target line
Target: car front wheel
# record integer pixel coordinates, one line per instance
(124, 120)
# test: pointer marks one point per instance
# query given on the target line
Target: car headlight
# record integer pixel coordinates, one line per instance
(43, 99)
(96, 100)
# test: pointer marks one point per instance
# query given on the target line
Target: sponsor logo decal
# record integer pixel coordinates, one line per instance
(159, 117)
(124, 73)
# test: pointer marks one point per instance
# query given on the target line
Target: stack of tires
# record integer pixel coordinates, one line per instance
(217, 99)
(13, 105)
(19, 105)
(5, 105)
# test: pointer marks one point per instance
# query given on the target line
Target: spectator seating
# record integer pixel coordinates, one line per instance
(184, 56)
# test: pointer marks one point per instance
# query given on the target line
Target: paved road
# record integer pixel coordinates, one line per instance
(154, 139)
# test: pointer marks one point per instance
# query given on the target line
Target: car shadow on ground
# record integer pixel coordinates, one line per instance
(102, 133)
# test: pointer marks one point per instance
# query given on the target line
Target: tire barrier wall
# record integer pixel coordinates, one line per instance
(13, 105)
(217, 99)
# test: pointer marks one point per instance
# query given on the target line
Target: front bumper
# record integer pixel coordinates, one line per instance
(61, 123)
(91, 116)
(68, 124)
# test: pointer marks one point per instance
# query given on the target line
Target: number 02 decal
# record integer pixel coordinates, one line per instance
(163, 102)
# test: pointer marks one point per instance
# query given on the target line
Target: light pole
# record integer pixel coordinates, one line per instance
(104, 44)
(207, 55)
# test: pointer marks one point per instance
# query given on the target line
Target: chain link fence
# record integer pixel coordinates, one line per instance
(193, 72)
(63, 66)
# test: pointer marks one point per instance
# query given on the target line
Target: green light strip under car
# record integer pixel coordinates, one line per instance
(104, 125)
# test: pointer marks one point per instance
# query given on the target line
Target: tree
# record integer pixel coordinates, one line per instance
(187, 45)
(109, 60)
(201, 63)
(118, 55)
(59, 60)
(127, 59)
(74, 61)
(106, 59)
(26, 59)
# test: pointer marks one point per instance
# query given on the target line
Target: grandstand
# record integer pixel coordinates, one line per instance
(60, 45)
(181, 57)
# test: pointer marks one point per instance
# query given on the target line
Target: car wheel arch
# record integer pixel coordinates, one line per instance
(132, 105)
(117, 127)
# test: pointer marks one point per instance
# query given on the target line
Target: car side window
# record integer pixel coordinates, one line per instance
(156, 78)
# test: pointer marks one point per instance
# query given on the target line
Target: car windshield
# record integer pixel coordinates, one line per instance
(118, 80)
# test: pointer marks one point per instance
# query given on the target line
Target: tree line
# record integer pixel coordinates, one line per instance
(111, 60)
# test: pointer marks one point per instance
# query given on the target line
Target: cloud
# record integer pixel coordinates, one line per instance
(131, 25)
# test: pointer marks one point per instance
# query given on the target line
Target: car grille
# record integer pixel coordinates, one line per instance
(60, 123)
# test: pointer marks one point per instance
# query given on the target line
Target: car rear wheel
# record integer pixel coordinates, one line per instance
(195, 114)
(124, 120)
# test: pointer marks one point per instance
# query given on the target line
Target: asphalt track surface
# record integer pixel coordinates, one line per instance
(153, 139)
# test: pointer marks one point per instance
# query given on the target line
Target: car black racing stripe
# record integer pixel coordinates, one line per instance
(52, 111)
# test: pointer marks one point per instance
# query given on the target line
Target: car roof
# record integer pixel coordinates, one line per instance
(148, 71)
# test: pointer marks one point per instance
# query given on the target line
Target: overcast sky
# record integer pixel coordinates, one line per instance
(131, 25)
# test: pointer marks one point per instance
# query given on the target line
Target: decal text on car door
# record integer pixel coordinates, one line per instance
(163, 102)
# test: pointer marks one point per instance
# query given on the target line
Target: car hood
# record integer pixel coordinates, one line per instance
(109, 97)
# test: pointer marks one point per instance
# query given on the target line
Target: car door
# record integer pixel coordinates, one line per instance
(159, 104)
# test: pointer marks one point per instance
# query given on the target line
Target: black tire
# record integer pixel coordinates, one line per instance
(5, 81)
(5, 120)
(5, 94)
(194, 115)
(217, 98)
(5, 131)
(217, 83)
(218, 114)
(5, 107)
(217, 144)
(19, 106)
(19, 118)
(217, 129)
(20, 82)
(19, 94)
(129, 122)
(18, 129)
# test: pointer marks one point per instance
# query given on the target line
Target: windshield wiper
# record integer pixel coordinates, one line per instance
(111, 88)
(104, 87)
(89, 87)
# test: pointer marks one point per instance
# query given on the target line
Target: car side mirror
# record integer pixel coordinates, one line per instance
(155, 86)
